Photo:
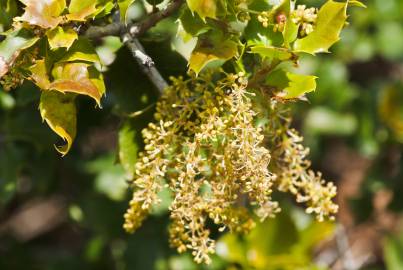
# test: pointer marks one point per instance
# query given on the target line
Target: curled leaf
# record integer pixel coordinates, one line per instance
(76, 78)
(59, 112)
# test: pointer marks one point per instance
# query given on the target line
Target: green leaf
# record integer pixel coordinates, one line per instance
(11, 46)
(123, 7)
(292, 85)
(8, 9)
(79, 10)
(393, 253)
(205, 8)
(356, 3)
(39, 74)
(211, 47)
(61, 38)
(128, 148)
(290, 32)
(78, 78)
(272, 52)
(59, 112)
(192, 23)
(43, 13)
(331, 19)
(81, 50)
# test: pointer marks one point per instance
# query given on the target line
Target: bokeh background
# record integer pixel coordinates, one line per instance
(66, 213)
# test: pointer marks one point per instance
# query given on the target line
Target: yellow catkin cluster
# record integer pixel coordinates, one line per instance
(206, 148)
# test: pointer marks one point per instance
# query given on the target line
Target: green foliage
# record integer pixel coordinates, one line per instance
(45, 45)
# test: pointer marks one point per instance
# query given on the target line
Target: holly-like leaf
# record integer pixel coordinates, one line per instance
(272, 52)
(59, 112)
(81, 50)
(43, 13)
(79, 10)
(123, 7)
(61, 38)
(76, 78)
(205, 8)
(211, 47)
(11, 47)
(331, 19)
(291, 85)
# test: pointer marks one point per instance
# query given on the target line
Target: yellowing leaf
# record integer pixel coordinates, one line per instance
(43, 13)
(291, 85)
(61, 38)
(79, 10)
(39, 74)
(272, 52)
(298, 85)
(210, 48)
(75, 78)
(205, 8)
(123, 7)
(59, 112)
(331, 19)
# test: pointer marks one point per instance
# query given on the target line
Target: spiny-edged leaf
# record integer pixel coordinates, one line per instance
(211, 46)
(59, 112)
(43, 13)
(61, 38)
(76, 78)
(39, 74)
(11, 46)
(123, 7)
(331, 19)
(128, 147)
(79, 10)
(272, 52)
(81, 50)
(205, 8)
(292, 85)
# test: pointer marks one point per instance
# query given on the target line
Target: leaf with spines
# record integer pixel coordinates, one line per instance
(205, 8)
(331, 20)
(43, 13)
(291, 85)
(59, 112)
(61, 38)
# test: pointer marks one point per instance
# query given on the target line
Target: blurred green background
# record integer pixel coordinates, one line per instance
(66, 213)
